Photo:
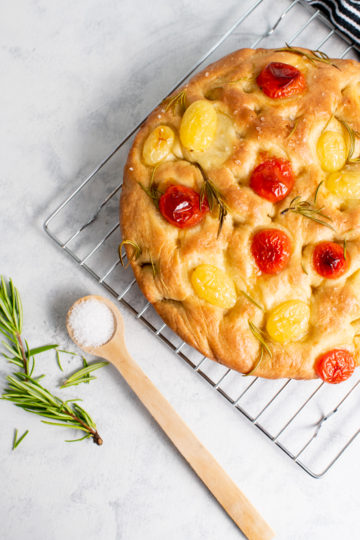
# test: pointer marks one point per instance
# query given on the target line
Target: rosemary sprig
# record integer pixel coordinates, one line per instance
(28, 394)
(213, 196)
(135, 255)
(152, 192)
(24, 390)
(251, 300)
(264, 348)
(11, 318)
(83, 375)
(17, 440)
(177, 99)
(313, 56)
(352, 136)
(345, 249)
(308, 210)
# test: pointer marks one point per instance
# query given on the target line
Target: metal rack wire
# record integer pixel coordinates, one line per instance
(293, 414)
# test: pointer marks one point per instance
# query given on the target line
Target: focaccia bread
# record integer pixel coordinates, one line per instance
(240, 213)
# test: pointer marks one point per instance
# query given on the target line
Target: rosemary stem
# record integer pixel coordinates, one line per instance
(95, 435)
(23, 355)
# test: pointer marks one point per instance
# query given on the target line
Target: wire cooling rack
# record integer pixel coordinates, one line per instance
(313, 423)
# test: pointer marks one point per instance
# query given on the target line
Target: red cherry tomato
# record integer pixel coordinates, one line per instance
(329, 260)
(273, 179)
(278, 80)
(271, 250)
(335, 366)
(180, 206)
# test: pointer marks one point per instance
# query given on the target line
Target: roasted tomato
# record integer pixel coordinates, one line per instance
(180, 206)
(273, 179)
(335, 366)
(329, 260)
(271, 250)
(278, 80)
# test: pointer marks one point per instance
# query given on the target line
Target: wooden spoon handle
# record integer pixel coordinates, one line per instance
(204, 464)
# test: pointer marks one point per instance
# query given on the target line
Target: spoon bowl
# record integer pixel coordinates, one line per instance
(199, 458)
(117, 336)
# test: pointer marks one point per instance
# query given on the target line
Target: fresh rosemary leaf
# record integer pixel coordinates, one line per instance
(352, 136)
(82, 375)
(293, 128)
(67, 425)
(152, 177)
(178, 99)
(308, 210)
(135, 255)
(345, 249)
(81, 438)
(29, 358)
(58, 360)
(153, 267)
(264, 348)
(11, 350)
(252, 370)
(85, 364)
(44, 348)
(86, 380)
(313, 56)
(251, 300)
(317, 190)
(13, 361)
(327, 123)
(17, 441)
(260, 336)
(152, 192)
(213, 196)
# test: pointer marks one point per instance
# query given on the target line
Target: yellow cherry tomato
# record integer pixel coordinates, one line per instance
(213, 285)
(345, 183)
(198, 126)
(332, 151)
(288, 321)
(158, 145)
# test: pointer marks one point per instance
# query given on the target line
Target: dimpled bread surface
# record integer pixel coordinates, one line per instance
(251, 125)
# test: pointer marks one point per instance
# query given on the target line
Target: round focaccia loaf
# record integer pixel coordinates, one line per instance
(252, 332)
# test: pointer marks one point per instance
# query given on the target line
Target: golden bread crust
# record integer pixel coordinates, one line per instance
(254, 125)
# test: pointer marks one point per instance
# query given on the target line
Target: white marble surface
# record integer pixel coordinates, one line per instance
(75, 77)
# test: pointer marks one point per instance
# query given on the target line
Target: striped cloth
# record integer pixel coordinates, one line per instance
(344, 14)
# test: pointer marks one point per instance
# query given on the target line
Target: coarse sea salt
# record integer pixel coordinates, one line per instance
(92, 323)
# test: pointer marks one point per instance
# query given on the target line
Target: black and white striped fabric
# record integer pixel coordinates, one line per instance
(344, 14)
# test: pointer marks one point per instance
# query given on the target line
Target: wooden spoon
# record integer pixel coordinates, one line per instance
(199, 458)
